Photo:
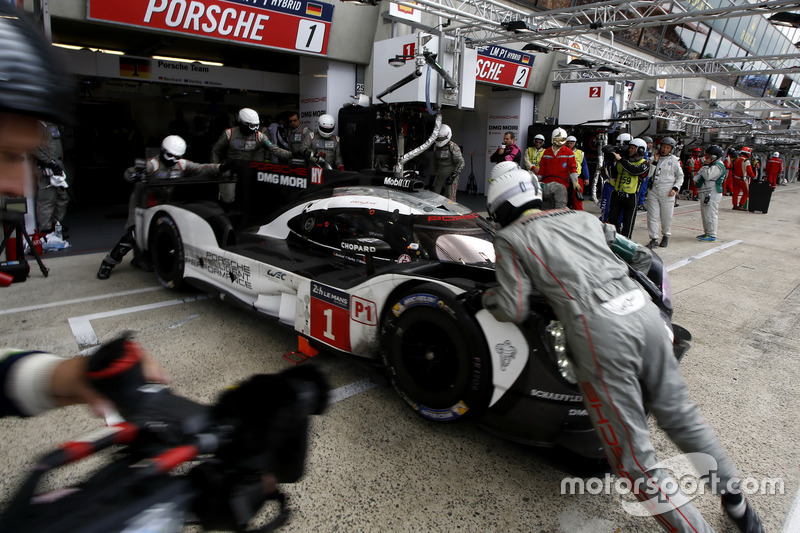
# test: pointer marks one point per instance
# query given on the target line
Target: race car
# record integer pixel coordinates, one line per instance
(372, 265)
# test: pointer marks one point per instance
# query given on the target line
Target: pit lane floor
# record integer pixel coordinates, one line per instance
(375, 466)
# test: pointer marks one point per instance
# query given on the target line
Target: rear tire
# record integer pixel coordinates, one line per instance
(166, 249)
(436, 355)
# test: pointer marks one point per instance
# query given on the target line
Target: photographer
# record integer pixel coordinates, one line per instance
(31, 89)
(625, 178)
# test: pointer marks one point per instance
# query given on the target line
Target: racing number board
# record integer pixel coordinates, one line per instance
(298, 25)
(330, 316)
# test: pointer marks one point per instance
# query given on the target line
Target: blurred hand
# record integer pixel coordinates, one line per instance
(69, 385)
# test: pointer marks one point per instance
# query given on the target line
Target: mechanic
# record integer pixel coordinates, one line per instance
(559, 170)
(609, 162)
(693, 165)
(666, 178)
(583, 171)
(626, 175)
(709, 185)
(727, 185)
(774, 169)
(299, 137)
(169, 165)
(246, 143)
(447, 164)
(324, 147)
(619, 346)
(508, 151)
(32, 89)
(742, 174)
(52, 197)
(533, 154)
(645, 185)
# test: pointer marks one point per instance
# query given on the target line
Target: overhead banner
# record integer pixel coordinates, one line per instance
(296, 25)
(503, 66)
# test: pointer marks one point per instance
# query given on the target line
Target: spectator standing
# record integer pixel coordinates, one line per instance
(666, 178)
(508, 151)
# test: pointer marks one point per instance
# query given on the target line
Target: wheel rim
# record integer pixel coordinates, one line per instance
(430, 357)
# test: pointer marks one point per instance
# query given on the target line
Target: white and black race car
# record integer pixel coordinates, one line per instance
(371, 265)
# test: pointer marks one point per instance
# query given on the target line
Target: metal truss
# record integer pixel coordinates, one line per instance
(577, 31)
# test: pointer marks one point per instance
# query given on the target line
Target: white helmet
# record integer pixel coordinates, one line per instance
(445, 134)
(640, 144)
(572, 139)
(173, 148)
(776, 154)
(325, 125)
(625, 138)
(248, 119)
(559, 137)
(539, 137)
(510, 188)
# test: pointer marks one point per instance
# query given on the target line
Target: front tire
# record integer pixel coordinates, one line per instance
(436, 355)
(166, 248)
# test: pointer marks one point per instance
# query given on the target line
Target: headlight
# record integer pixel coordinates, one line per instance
(558, 340)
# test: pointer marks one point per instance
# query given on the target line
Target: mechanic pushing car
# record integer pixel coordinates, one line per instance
(323, 145)
(247, 143)
(447, 164)
(169, 165)
(618, 342)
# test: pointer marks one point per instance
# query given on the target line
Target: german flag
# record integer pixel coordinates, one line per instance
(134, 68)
(315, 10)
(526, 59)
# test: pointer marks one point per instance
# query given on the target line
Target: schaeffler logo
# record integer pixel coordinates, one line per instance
(670, 484)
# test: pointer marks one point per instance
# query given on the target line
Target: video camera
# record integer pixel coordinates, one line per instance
(237, 449)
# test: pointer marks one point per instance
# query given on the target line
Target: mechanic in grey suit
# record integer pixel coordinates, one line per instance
(619, 344)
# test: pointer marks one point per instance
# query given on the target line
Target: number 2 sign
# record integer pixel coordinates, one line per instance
(594, 91)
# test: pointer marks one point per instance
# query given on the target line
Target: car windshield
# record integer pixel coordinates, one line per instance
(459, 238)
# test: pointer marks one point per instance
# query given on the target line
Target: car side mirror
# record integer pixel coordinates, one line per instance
(368, 247)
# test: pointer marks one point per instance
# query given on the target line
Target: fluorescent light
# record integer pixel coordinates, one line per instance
(183, 60)
(101, 50)
(68, 46)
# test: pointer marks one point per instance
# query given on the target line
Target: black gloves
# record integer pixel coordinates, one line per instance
(54, 166)
(472, 299)
(226, 166)
(451, 178)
